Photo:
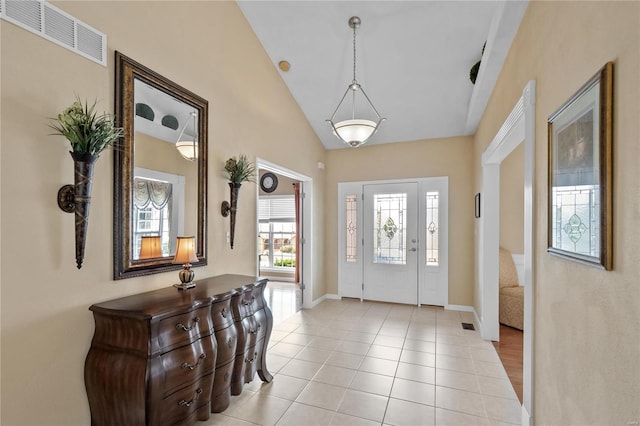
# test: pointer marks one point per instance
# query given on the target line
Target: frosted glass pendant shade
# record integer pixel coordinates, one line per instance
(355, 132)
(188, 149)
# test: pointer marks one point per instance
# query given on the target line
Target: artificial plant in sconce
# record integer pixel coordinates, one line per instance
(237, 170)
(89, 134)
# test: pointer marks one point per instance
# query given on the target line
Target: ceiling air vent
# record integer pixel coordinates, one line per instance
(57, 26)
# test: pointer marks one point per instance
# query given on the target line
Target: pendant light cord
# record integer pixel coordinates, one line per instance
(354, 54)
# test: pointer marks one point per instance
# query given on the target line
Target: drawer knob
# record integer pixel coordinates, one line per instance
(230, 342)
(250, 361)
(223, 312)
(184, 403)
(226, 376)
(194, 366)
(181, 326)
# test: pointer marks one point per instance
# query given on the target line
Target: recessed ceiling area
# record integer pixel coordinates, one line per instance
(161, 115)
(413, 59)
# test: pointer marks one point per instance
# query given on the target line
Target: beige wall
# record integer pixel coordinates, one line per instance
(429, 158)
(207, 47)
(587, 321)
(512, 201)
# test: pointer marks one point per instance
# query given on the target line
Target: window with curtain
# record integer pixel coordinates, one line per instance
(151, 212)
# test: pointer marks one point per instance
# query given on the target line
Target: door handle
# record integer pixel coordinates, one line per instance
(413, 249)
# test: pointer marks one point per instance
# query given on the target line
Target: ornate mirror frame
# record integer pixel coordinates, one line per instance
(126, 72)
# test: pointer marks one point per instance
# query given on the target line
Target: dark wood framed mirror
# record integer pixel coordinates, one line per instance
(160, 171)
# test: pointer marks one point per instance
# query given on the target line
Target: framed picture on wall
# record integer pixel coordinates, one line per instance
(580, 174)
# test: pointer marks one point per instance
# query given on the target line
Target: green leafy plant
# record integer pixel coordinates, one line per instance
(240, 170)
(85, 129)
(287, 263)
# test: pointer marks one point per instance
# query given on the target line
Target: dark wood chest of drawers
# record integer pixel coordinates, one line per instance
(172, 356)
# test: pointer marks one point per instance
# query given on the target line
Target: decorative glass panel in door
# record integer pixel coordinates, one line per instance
(433, 277)
(389, 219)
(391, 242)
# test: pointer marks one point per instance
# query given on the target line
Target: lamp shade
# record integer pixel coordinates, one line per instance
(150, 247)
(355, 132)
(185, 250)
(188, 149)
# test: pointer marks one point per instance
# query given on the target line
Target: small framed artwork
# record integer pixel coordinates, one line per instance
(477, 205)
(580, 174)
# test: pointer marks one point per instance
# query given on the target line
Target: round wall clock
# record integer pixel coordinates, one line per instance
(268, 182)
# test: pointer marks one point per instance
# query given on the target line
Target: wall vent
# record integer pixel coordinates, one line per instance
(46, 20)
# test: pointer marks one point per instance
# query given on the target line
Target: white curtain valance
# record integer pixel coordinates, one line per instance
(152, 192)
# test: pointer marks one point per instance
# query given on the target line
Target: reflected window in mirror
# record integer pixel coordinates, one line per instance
(158, 209)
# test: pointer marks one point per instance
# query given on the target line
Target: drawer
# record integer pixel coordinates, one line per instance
(184, 365)
(221, 314)
(260, 318)
(183, 329)
(253, 329)
(185, 402)
(258, 294)
(242, 329)
(240, 303)
(251, 363)
(249, 303)
(227, 343)
(221, 394)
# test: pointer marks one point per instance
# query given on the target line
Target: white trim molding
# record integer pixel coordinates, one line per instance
(518, 127)
(308, 265)
(461, 308)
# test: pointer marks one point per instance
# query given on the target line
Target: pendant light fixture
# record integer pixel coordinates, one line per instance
(355, 132)
(189, 148)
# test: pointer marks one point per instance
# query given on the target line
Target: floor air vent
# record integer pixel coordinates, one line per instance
(40, 17)
(468, 326)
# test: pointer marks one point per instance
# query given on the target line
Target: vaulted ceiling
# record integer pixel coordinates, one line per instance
(413, 59)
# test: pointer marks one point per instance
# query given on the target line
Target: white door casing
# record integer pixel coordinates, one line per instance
(519, 127)
(308, 266)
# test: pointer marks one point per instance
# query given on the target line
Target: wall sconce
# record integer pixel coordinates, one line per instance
(150, 247)
(185, 255)
(230, 208)
(76, 198)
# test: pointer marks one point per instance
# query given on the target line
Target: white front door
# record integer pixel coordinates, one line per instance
(391, 242)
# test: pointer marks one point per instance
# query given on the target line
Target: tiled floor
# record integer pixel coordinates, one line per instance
(365, 363)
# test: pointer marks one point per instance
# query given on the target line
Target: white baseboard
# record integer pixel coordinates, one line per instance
(526, 418)
(475, 316)
(463, 308)
(324, 297)
(318, 301)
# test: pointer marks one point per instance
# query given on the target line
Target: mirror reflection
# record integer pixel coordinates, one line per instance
(160, 173)
(165, 178)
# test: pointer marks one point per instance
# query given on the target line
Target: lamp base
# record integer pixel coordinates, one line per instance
(185, 286)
